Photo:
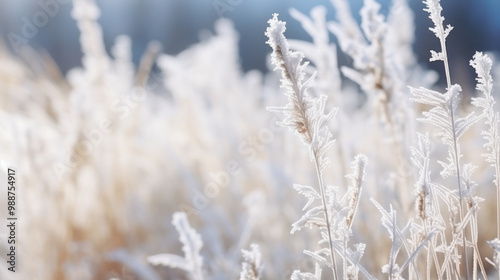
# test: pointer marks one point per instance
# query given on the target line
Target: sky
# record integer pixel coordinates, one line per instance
(177, 24)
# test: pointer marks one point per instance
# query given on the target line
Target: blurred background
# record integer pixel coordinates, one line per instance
(178, 24)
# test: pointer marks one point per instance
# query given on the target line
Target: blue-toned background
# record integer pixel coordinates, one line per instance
(177, 23)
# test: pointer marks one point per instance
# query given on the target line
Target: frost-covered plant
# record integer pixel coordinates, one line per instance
(397, 236)
(482, 64)
(252, 264)
(304, 113)
(342, 209)
(369, 56)
(375, 71)
(192, 262)
(304, 116)
(444, 116)
(382, 66)
(323, 55)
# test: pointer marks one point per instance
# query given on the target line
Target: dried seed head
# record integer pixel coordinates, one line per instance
(420, 205)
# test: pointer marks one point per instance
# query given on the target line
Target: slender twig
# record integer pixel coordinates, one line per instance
(457, 163)
(327, 218)
(455, 147)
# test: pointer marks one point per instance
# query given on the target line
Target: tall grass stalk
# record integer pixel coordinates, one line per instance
(434, 9)
(303, 114)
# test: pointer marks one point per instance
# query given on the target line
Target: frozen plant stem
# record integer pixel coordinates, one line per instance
(327, 218)
(455, 147)
(303, 113)
(457, 166)
(482, 64)
(434, 8)
(457, 163)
